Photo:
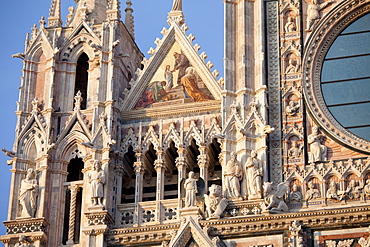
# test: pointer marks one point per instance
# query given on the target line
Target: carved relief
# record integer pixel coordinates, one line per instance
(312, 193)
(313, 13)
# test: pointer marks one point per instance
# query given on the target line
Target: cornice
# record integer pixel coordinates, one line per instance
(171, 110)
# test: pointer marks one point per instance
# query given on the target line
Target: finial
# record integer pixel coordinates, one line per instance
(34, 103)
(78, 100)
(177, 5)
(42, 22)
(34, 31)
(176, 14)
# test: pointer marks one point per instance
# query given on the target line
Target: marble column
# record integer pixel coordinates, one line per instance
(181, 168)
(160, 169)
(139, 171)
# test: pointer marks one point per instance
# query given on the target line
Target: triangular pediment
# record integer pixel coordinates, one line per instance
(174, 74)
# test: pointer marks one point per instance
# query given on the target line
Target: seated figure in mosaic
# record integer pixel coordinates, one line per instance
(312, 193)
(295, 195)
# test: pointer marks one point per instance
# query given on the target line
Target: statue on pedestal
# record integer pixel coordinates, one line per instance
(254, 176)
(190, 187)
(28, 194)
(233, 173)
(96, 178)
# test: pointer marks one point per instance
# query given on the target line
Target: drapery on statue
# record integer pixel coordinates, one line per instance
(233, 174)
(96, 178)
(254, 176)
(317, 150)
(312, 193)
(177, 5)
(190, 186)
(214, 202)
(28, 194)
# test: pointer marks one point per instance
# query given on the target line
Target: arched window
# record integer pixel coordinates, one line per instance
(74, 170)
(82, 76)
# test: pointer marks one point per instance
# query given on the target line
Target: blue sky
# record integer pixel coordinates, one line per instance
(203, 17)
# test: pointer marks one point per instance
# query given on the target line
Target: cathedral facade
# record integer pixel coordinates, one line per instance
(115, 149)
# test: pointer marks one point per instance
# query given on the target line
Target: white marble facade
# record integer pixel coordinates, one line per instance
(110, 153)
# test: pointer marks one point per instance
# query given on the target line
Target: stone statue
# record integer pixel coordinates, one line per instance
(317, 150)
(290, 25)
(313, 14)
(332, 192)
(177, 5)
(295, 151)
(214, 202)
(254, 176)
(96, 178)
(312, 193)
(295, 195)
(233, 174)
(291, 68)
(274, 197)
(23, 241)
(292, 108)
(366, 189)
(28, 194)
(190, 186)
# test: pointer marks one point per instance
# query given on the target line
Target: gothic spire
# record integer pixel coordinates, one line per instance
(54, 14)
(129, 20)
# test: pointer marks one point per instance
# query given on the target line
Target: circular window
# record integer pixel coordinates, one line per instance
(336, 74)
(345, 78)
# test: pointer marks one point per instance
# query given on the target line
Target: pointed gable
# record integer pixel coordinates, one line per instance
(174, 74)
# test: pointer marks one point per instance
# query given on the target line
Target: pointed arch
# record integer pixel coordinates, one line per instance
(82, 76)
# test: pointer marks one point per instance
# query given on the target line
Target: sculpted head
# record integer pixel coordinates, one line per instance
(254, 154)
(191, 174)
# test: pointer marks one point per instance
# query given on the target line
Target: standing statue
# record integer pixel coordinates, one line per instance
(177, 5)
(313, 14)
(254, 176)
(214, 202)
(317, 150)
(28, 194)
(190, 186)
(233, 174)
(96, 178)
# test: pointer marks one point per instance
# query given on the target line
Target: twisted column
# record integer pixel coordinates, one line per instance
(74, 188)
